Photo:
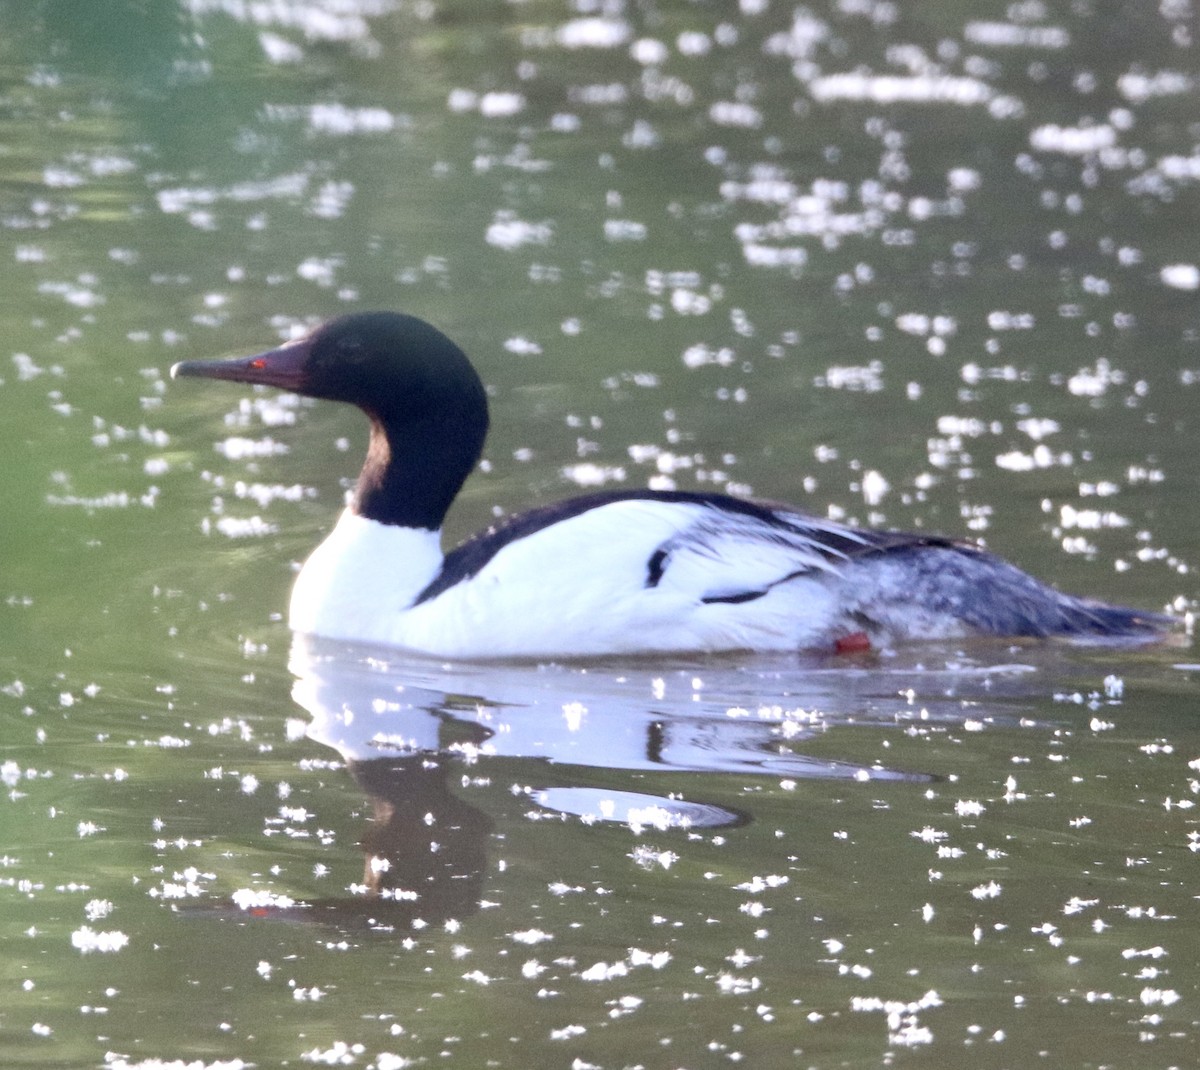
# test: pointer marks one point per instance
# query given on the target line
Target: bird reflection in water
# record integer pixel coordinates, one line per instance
(425, 849)
(409, 728)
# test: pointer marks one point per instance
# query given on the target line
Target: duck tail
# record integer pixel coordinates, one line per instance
(1084, 617)
(991, 596)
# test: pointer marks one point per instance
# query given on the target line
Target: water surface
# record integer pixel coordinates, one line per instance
(925, 269)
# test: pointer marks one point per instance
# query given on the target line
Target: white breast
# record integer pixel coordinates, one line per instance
(358, 583)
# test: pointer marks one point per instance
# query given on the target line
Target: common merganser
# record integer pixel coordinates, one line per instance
(615, 572)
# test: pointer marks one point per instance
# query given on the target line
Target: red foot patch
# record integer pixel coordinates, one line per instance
(854, 643)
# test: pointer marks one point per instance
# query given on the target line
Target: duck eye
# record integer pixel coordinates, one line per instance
(258, 363)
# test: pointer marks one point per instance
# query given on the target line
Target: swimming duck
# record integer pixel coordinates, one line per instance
(614, 572)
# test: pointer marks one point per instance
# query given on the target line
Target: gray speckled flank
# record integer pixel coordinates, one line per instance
(983, 592)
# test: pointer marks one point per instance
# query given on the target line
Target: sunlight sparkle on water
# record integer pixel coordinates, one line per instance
(85, 940)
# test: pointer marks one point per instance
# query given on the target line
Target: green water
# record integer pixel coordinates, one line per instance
(909, 266)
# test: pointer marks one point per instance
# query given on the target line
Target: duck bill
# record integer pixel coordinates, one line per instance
(282, 367)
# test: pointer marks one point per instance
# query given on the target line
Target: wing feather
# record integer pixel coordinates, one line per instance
(722, 549)
(736, 556)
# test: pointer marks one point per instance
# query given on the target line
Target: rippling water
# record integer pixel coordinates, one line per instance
(907, 267)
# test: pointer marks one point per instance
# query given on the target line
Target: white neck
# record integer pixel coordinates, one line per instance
(362, 577)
